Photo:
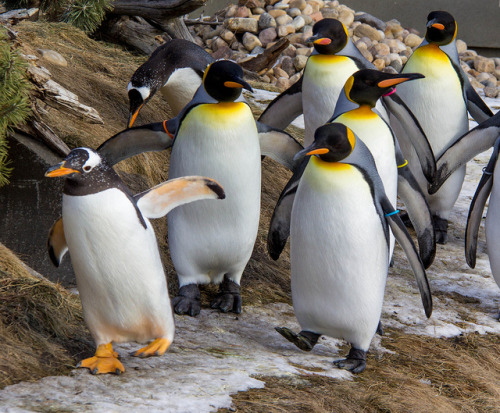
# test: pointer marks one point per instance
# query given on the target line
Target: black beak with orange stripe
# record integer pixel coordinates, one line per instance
(136, 103)
(441, 28)
(330, 36)
(223, 80)
(332, 143)
(366, 86)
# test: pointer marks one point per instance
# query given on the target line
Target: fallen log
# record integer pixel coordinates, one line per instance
(159, 10)
(266, 59)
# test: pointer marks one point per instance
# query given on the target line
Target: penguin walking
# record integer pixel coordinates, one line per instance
(114, 253)
(214, 135)
(440, 102)
(334, 59)
(175, 69)
(489, 186)
(339, 244)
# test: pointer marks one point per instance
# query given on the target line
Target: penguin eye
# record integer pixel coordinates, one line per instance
(87, 168)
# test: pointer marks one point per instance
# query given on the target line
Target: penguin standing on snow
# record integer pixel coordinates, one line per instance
(214, 135)
(176, 69)
(114, 253)
(339, 244)
(440, 102)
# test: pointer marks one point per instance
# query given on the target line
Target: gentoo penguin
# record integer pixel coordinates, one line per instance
(356, 109)
(440, 103)
(339, 244)
(216, 134)
(176, 69)
(486, 186)
(114, 253)
(334, 59)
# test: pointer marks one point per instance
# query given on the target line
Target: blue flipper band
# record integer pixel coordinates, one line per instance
(392, 213)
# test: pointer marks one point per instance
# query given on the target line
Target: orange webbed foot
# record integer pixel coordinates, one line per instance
(104, 361)
(155, 348)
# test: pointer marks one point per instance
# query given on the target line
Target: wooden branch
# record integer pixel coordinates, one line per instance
(159, 10)
(193, 22)
(266, 59)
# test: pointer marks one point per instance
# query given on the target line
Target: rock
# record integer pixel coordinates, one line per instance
(199, 41)
(497, 74)
(461, 46)
(346, 17)
(304, 51)
(329, 13)
(207, 35)
(282, 83)
(367, 55)
(379, 63)
(497, 61)
(371, 20)
(390, 69)
(295, 78)
(396, 46)
(294, 12)
(366, 30)
(276, 13)
(308, 10)
(250, 41)
(266, 21)
(475, 84)
(299, 4)
(227, 36)
(289, 51)
(252, 4)
(285, 30)
(241, 25)
(257, 50)
(53, 57)
(283, 20)
(265, 79)
(242, 12)
(394, 27)
(231, 10)
(300, 62)
(281, 5)
(482, 77)
(217, 43)
(396, 62)
(307, 32)
(380, 50)
(258, 10)
(483, 64)
(412, 40)
(267, 36)
(223, 52)
(278, 72)
(491, 92)
(287, 65)
(298, 23)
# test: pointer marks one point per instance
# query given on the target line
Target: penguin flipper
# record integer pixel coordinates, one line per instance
(284, 108)
(278, 145)
(476, 106)
(476, 208)
(279, 228)
(133, 141)
(395, 105)
(158, 201)
(56, 243)
(404, 239)
(477, 140)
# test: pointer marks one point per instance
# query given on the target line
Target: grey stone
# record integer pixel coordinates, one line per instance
(266, 21)
(491, 92)
(267, 36)
(366, 30)
(242, 25)
(300, 62)
(371, 20)
(298, 23)
(287, 65)
(412, 40)
(250, 41)
(294, 12)
(283, 20)
(53, 57)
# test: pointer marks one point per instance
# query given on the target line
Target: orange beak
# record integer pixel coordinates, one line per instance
(60, 170)
(438, 26)
(323, 41)
(134, 117)
(319, 151)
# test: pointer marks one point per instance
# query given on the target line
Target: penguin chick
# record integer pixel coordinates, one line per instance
(114, 253)
(339, 244)
(175, 69)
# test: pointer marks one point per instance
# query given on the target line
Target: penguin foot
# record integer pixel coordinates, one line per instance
(355, 361)
(228, 298)
(155, 348)
(441, 229)
(104, 361)
(187, 301)
(305, 340)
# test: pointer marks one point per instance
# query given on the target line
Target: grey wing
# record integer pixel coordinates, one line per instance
(476, 209)
(395, 105)
(278, 145)
(133, 141)
(284, 108)
(404, 239)
(279, 228)
(472, 143)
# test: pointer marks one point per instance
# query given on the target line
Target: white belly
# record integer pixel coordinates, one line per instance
(118, 269)
(339, 256)
(324, 78)
(210, 239)
(493, 227)
(180, 88)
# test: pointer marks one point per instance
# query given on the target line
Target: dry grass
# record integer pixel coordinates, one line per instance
(41, 325)
(423, 375)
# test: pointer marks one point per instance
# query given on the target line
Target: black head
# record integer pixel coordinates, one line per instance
(366, 86)
(332, 143)
(223, 80)
(330, 36)
(136, 101)
(441, 28)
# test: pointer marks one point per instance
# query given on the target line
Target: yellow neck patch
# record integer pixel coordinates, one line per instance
(327, 59)
(431, 51)
(330, 166)
(361, 113)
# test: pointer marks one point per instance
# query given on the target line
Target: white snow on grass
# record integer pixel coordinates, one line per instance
(216, 355)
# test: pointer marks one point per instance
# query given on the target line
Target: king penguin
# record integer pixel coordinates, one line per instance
(339, 244)
(440, 102)
(175, 69)
(334, 59)
(114, 253)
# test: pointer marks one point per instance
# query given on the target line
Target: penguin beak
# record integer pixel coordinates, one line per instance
(435, 25)
(136, 103)
(324, 41)
(133, 116)
(238, 83)
(59, 170)
(309, 151)
(397, 80)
